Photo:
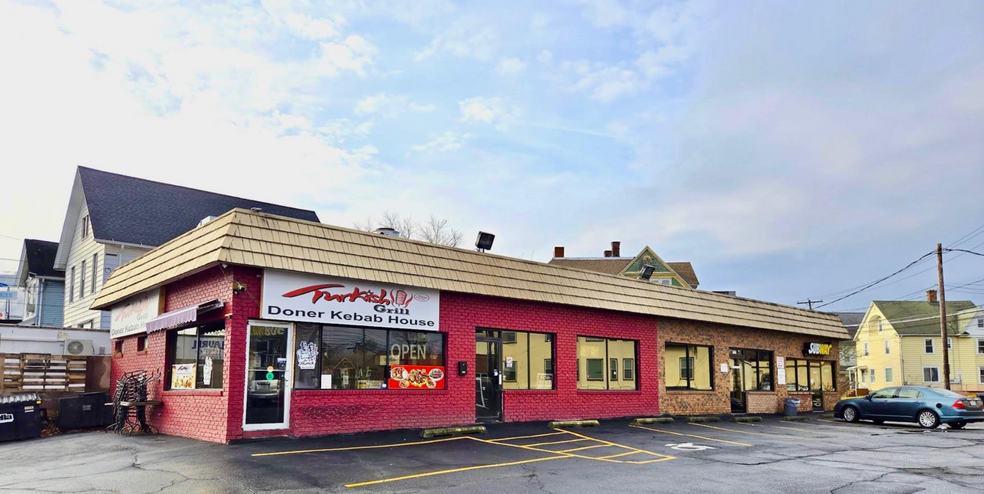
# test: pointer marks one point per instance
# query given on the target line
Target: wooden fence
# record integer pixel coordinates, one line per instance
(24, 372)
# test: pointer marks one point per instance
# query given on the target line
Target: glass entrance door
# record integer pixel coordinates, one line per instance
(268, 376)
(737, 386)
(488, 380)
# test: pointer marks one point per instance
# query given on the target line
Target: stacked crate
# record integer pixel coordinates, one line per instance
(42, 372)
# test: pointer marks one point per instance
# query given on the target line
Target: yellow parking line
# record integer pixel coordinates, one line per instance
(617, 445)
(355, 448)
(781, 436)
(646, 462)
(736, 443)
(618, 455)
(526, 437)
(556, 442)
(541, 450)
(770, 426)
(584, 448)
(452, 470)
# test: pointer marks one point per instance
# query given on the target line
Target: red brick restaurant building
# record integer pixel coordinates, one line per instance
(263, 325)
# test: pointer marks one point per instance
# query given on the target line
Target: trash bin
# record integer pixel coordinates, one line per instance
(84, 411)
(790, 406)
(20, 417)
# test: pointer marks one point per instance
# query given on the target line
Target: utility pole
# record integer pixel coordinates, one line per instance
(810, 302)
(946, 350)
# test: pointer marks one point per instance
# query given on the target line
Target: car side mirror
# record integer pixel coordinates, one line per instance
(867, 397)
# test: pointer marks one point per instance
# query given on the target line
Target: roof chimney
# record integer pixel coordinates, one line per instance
(608, 253)
(615, 248)
(931, 296)
(559, 251)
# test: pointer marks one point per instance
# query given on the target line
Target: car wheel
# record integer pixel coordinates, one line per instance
(958, 425)
(851, 414)
(928, 419)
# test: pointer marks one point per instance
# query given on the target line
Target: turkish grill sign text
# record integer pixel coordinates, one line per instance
(312, 298)
(131, 316)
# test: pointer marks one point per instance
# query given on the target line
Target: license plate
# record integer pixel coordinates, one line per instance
(974, 403)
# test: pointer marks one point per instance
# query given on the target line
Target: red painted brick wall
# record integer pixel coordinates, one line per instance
(331, 412)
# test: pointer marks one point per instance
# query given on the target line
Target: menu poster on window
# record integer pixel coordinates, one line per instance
(416, 377)
(183, 376)
(780, 371)
(544, 381)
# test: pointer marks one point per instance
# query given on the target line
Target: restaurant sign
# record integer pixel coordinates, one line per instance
(416, 377)
(813, 349)
(131, 316)
(312, 298)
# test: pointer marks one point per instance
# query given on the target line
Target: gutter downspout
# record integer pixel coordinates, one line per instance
(902, 361)
(39, 308)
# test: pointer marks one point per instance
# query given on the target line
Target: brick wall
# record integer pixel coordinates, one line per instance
(315, 412)
(722, 338)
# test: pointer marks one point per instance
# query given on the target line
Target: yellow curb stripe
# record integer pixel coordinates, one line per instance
(725, 441)
(555, 442)
(356, 448)
(452, 470)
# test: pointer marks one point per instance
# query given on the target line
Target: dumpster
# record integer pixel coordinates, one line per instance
(790, 406)
(20, 417)
(84, 411)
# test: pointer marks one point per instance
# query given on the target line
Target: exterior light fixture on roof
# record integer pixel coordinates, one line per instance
(484, 241)
(390, 232)
(647, 272)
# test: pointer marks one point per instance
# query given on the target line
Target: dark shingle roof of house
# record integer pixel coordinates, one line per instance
(137, 211)
(615, 265)
(851, 320)
(686, 271)
(40, 258)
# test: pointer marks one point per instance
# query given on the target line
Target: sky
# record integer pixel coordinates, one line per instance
(787, 149)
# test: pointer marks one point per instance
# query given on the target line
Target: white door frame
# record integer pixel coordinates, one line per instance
(288, 375)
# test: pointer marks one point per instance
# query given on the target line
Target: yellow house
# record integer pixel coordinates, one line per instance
(678, 274)
(899, 343)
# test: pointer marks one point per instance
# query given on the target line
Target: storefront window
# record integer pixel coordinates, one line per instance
(688, 367)
(527, 360)
(360, 358)
(597, 353)
(197, 357)
(756, 368)
(809, 375)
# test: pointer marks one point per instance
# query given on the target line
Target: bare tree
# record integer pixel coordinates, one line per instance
(435, 231)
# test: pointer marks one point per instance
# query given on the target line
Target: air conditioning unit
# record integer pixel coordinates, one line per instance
(78, 348)
(955, 380)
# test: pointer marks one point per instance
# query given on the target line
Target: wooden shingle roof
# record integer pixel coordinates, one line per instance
(254, 239)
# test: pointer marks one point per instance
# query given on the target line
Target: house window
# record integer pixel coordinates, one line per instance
(360, 358)
(887, 348)
(85, 226)
(888, 375)
(864, 377)
(980, 345)
(949, 343)
(810, 375)
(694, 368)
(866, 349)
(599, 352)
(980, 322)
(880, 325)
(141, 343)
(118, 348)
(201, 348)
(524, 360)
(71, 286)
(95, 262)
(980, 375)
(628, 369)
(871, 376)
(930, 346)
(931, 374)
(82, 280)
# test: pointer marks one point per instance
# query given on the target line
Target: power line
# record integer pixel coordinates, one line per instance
(965, 251)
(911, 264)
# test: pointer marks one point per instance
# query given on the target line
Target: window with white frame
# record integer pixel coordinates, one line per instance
(931, 374)
(880, 325)
(930, 346)
(980, 322)
(866, 349)
(871, 375)
(949, 343)
(980, 345)
(887, 348)
(864, 376)
(888, 375)
(980, 375)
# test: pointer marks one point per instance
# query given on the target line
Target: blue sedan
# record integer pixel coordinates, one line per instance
(929, 407)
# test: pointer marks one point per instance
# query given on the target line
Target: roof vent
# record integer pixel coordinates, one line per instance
(205, 220)
(389, 232)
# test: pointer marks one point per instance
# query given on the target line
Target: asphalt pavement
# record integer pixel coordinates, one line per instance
(818, 456)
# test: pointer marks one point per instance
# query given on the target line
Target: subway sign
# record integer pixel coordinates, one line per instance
(813, 349)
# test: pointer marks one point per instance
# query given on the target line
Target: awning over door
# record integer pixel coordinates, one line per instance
(181, 317)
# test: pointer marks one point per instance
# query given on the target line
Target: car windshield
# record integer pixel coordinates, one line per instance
(947, 393)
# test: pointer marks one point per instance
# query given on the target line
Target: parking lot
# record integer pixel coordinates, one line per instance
(769, 456)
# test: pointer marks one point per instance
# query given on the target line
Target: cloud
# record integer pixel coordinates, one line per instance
(314, 29)
(467, 37)
(446, 142)
(480, 109)
(355, 54)
(510, 67)
(390, 105)
(544, 56)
